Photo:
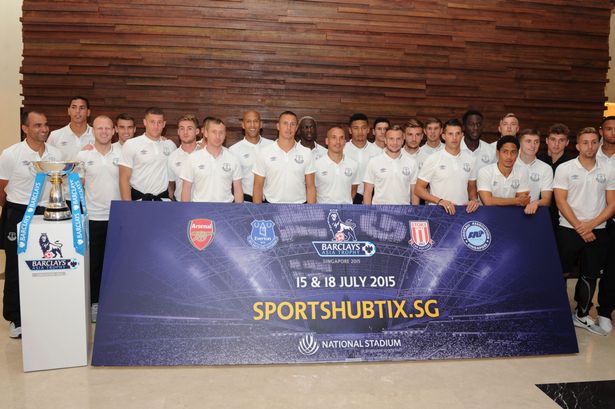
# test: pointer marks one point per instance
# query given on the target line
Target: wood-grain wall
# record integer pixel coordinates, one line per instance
(544, 60)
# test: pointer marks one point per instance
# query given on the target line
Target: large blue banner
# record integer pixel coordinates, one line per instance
(195, 283)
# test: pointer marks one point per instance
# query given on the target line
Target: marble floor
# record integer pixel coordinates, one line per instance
(485, 383)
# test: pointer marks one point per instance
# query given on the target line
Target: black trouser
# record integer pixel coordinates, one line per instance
(247, 198)
(593, 257)
(606, 288)
(358, 199)
(12, 214)
(148, 197)
(98, 238)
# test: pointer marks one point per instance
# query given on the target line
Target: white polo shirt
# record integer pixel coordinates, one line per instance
(318, 151)
(361, 156)
(284, 172)
(602, 157)
(101, 174)
(246, 153)
(68, 143)
(334, 180)
(490, 179)
(419, 156)
(448, 175)
(483, 155)
(177, 159)
(148, 161)
(16, 168)
(391, 178)
(211, 178)
(586, 189)
(428, 150)
(540, 177)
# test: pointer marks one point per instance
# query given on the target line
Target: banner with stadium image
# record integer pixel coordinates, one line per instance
(201, 284)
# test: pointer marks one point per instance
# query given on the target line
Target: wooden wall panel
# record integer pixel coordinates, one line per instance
(545, 60)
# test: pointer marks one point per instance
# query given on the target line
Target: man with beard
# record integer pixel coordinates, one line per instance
(247, 149)
(391, 176)
(187, 130)
(308, 134)
(483, 153)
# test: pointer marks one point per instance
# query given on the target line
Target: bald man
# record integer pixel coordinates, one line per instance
(100, 177)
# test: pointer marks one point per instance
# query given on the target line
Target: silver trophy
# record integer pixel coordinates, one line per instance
(56, 209)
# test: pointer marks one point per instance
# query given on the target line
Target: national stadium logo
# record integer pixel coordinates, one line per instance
(262, 236)
(308, 345)
(476, 236)
(343, 241)
(201, 233)
(420, 235)
(52, 258)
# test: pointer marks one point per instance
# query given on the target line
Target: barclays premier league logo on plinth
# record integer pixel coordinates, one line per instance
(51, 257)
(420, 235)
(262, 236)
(201, 233)
(343, 241)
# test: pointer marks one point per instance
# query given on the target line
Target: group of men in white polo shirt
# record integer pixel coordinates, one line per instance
(448, 165)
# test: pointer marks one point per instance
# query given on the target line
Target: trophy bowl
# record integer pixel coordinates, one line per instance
(57, 209)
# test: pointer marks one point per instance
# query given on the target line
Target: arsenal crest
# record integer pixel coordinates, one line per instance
(420, 235)
(201, 232)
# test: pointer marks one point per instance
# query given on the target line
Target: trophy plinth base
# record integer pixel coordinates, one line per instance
(59, 214)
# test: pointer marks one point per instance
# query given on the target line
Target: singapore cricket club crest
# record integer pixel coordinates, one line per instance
(262, 236)
(201, 233)
(420, 235)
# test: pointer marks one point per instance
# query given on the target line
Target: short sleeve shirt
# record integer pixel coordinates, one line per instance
(246, 153)
(211, 177)
(483, 155)
(284, 172)
(392, 178)
(361, 156)
(68, 143)
(334, 180)
(177, 159)
(101, 175)
(16, 168)
(586, 189)
(148, 160)
(490, 179)
(540, 177)
(448, 175)
(419, 156)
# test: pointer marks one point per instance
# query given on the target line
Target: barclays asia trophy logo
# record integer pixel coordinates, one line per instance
(262, 236)
(52, 258)
(420, 235)
(343, 241)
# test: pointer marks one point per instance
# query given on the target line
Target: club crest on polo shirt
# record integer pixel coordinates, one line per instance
(467, 167)
(299, 159)
(515, 184)
(406, 171)
(485, 159)
(226, 167)
(601, 178)
(166, 151)
(348, 172)
(534, 177)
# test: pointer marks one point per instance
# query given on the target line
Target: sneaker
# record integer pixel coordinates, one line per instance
(14, 330)
(94, 311)
(588, 323)
(605, 323)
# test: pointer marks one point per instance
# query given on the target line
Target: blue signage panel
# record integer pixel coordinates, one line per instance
(197, 283)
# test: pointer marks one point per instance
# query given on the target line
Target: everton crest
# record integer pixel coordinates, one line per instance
(420, 235)
(262, 236)
(201, 233)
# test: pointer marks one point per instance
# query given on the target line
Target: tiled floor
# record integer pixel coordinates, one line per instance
(488, 383)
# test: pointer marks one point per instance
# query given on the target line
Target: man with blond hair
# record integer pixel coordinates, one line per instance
(187, 130)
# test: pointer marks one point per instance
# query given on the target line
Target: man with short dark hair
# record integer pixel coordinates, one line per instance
(433, 134)
(390, 177)
(540, 174)
(413, 136)
(16, 182)
(450, 174)
(247, 149)
(379, 131)
(503, 183)
(284, 170)
(359, 148)
(77, 134)
(307, 132)
(483, 152)
(144, 174)
(124, 128)
(584, 190)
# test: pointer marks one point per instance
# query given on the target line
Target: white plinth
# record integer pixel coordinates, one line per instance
(55, 299)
